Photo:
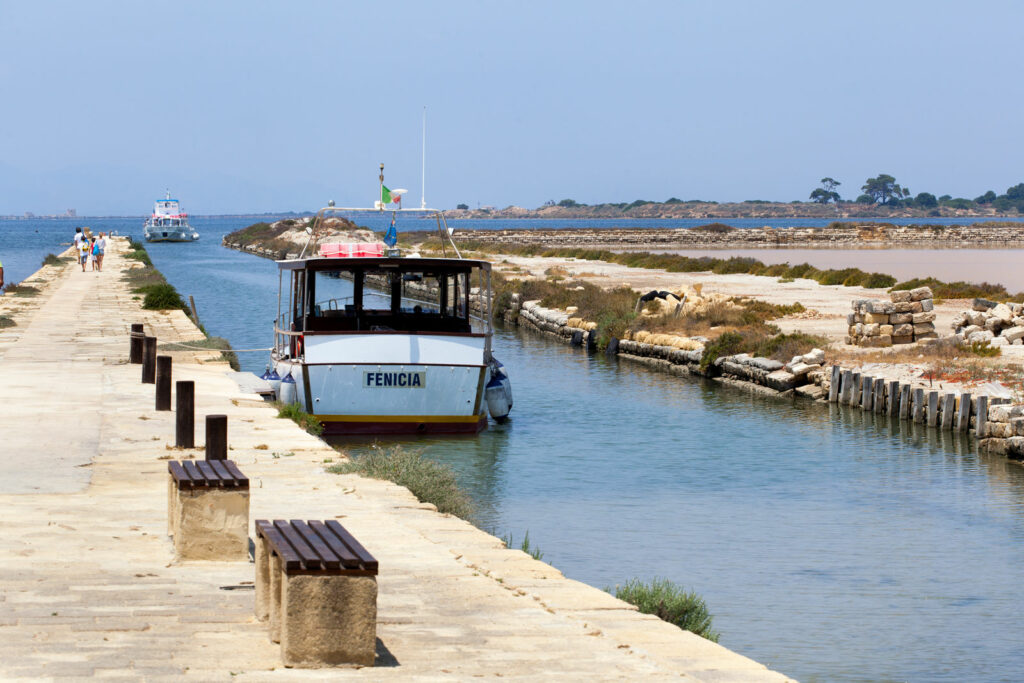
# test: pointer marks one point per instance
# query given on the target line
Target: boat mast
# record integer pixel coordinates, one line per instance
(423, 169)
(380, 190)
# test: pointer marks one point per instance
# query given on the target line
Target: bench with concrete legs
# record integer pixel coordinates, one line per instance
(316, 585)
(208, 510)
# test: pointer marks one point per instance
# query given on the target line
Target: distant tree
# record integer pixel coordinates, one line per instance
(926, 200)
(550, 202)
(827, 192)
(986, 198)
(1016, 192)
(673, 200)
(462, 207)
(884, 188)
(945, 197)
(568, 203)
(865, 199)
(958, 203)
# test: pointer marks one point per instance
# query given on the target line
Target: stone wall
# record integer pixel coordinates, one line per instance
(908, 317)
(991, 322)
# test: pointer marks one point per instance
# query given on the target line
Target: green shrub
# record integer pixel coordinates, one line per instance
(878, 281)
(668, 602)
(54, 260)
(714, 228)
(984, 349)
(6, 321)
(784, 346)
(161, 297)
(21, 290)
(527, 547)
(138, 252)
(431, 482)
(727, 344)
(295, 413)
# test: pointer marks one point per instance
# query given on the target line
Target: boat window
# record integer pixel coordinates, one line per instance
(388, 299)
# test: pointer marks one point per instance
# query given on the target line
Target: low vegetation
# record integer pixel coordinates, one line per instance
(961, 290)
(54, 260)
(21, 290)
(668, 602)
(430, 481)
(527, 547)
(296, 414)
(215, 343)
(6, 321)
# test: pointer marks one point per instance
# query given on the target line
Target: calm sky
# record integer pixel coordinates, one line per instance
(270, 106)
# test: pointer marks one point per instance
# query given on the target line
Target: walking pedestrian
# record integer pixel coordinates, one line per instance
(94, 254)
(1, 274)
(78, 236)
(83, 247)
(101, 246)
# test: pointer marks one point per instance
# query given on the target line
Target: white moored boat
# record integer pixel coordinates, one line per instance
(377, 342)
(168, 223)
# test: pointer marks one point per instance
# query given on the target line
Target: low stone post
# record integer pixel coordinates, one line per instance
(163, 382)
(216, 437)
(149, 360)
(893, 399)
(933, 408)
(846, 390)
(879, 395)
(963, 421)
(185, 415)
(135, 344)
(856, 389)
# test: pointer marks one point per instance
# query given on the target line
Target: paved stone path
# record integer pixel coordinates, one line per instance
(88, 585)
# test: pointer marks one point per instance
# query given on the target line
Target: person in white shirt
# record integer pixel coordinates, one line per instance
(100, 249)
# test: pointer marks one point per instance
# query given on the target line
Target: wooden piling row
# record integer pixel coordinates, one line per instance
(943, 410)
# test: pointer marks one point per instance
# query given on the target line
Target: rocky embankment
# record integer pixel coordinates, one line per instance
(846, 236)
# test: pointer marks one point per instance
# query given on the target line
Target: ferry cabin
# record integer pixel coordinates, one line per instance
(385, 345)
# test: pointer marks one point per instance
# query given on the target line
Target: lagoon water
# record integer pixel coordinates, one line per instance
(829, 544)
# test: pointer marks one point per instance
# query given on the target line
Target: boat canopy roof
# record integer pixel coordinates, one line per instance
(394, 262)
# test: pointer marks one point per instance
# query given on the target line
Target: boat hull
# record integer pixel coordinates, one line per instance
(369, 425)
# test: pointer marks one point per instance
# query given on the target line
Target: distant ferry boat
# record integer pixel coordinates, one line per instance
(168, 223)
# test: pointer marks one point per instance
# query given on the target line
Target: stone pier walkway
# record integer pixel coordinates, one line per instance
(89, 587)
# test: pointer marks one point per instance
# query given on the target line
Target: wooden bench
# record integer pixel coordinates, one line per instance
(317, 586)
(208, 510)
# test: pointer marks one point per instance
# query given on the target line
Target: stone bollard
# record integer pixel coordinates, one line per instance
(185, 415)
(866, 394)
(163, 382)
(216, 437)
(879, 395)
(963, 420)
(149, 360)
(892, 401)
(135, 344)
(846, 387)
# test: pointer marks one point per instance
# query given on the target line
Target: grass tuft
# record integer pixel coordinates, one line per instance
(295, 413)
(21, 290)
(668, 602)
(6, 321)
(430, 481)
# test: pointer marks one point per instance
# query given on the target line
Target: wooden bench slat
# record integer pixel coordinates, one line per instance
(284, 550)
(193, 472)
(365, 558)
(211, 477)
(329, 559)
(310, 560)
(348, 558)
(226, 478)
(232, 468)
(181, 477)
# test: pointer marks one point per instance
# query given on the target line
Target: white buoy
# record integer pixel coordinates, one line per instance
(288, 393)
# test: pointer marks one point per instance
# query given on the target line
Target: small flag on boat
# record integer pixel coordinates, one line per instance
(391, 238)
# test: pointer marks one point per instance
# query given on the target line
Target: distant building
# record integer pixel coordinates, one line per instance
(71, 213)
(29, 214)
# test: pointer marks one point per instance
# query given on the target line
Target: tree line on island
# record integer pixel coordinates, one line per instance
(882, 191)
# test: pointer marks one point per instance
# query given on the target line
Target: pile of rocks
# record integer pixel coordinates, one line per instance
(909, 316)
(988, 321)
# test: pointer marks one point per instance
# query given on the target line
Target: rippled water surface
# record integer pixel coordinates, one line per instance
(830, 545)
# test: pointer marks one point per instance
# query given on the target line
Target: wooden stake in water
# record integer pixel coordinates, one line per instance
(963, 420)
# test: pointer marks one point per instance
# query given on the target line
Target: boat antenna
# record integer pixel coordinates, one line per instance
(423, 169)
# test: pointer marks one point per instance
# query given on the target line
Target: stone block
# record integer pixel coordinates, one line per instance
(904, 330)
(901, 296)
(328, 620)
(851, 319)
(1017, 426)
(212, 524)
(924, 328)
(1018, 321)
(916, 307)
(1015, 447)
(926, 335)
(999, 341)
(983, 304)
(959, 320)
(993, 325)
(800, 369)
(780, 380)
(877, 341)
(999, 430)
(879, 318)
(979, 336)
(903, 307)
(919, 318)
(971, 329)
(871, 330)
(920, 294)
(976, 318)
(1003, 312)
(903, 339)
(858, 330)
(901, 318)
(885, 330)
(814, 357)
(1005, 412)
(927, 305)
(852, 330)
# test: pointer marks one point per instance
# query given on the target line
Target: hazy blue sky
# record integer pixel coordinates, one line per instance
(259, 106)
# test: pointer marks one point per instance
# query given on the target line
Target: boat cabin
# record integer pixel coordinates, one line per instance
(390, 295)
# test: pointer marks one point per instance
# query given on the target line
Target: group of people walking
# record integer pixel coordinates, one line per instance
(90, 249)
